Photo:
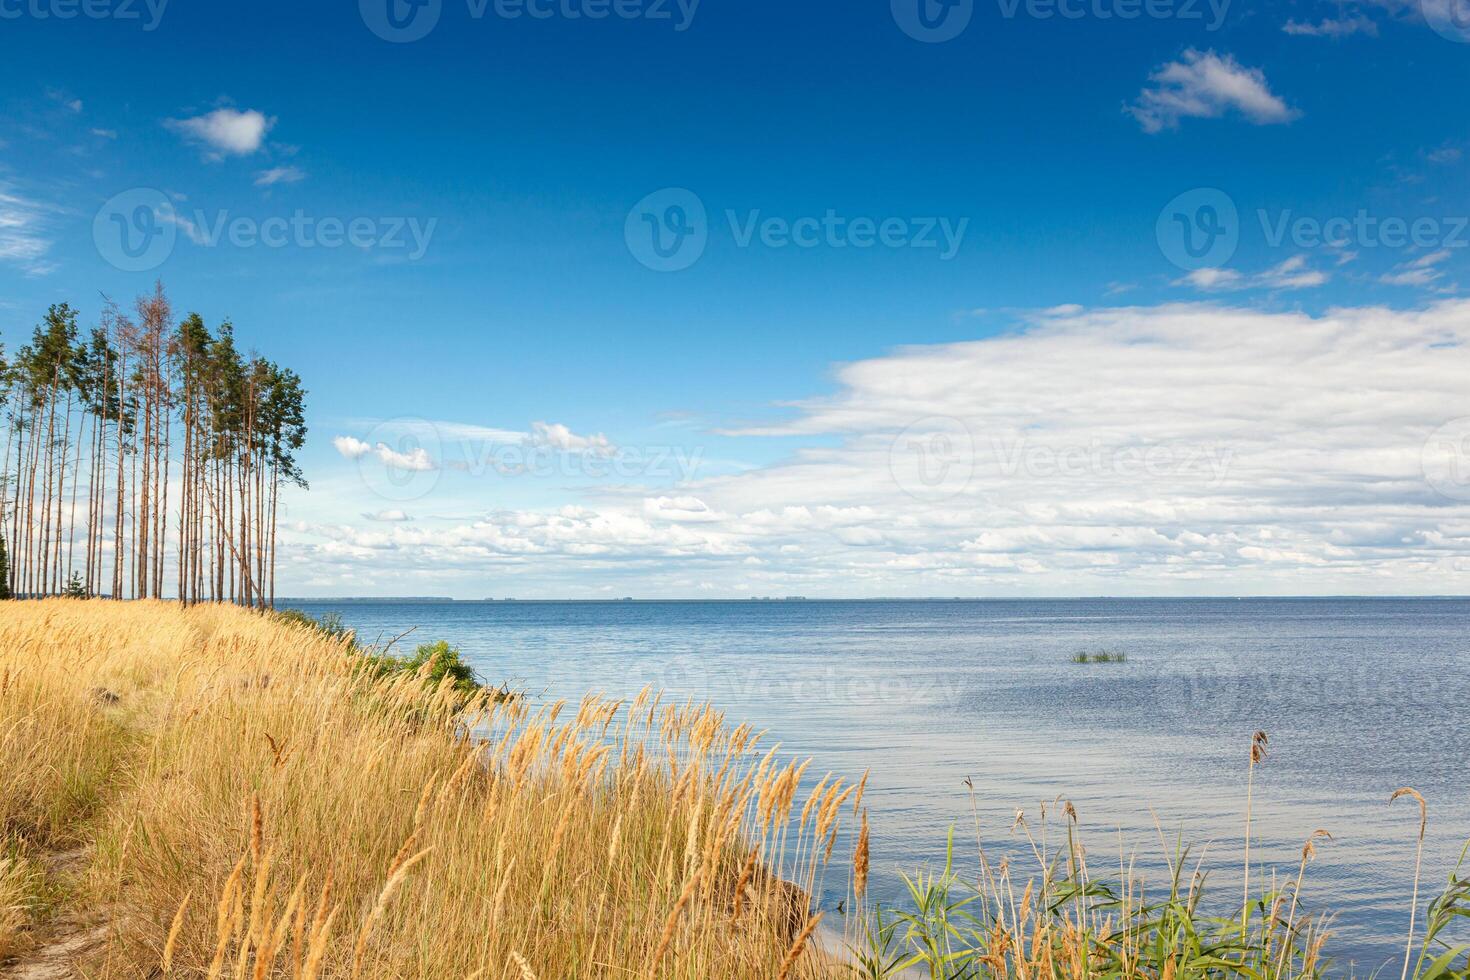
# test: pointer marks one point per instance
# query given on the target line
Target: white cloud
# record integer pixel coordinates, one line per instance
(24, 237)
(557, 436)
(417, 460)
(1175, 449)
(68, 102)
(351, 448)
(1445, 154)
(388, 517)
(1333, 27)
(1211, 278)
(107, 134)
(191, 231)
(227, 132)
(279, 175)
(1207, 85)
(682, 509)
(1291, 273)
(1419, 272)
(465, 447)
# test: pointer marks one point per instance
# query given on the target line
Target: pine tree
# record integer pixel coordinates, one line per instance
(74, 587)
(142, 445)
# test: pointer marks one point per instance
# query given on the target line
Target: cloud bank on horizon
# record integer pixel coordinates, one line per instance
(1164, 450)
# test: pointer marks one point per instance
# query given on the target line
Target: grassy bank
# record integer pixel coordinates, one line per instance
(248, 798)
(212, 792)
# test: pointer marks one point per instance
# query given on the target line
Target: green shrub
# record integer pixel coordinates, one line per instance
(435, 661)
(438, 661)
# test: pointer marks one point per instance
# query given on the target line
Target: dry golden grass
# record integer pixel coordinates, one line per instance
(256, 806)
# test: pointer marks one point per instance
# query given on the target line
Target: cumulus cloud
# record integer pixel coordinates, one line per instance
(351, 447)
(1183, 448)
(557, 436)
(226, 132)
(682, 509)
(388, 516)
(1207, 85)
(416, 460)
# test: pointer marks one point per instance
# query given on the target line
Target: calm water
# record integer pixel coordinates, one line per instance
(1360, 697)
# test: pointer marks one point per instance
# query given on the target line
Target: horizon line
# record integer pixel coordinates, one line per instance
(762, 600)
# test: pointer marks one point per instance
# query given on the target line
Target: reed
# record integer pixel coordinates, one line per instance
(1060, 920)
(1259, 743)
(1409, 791)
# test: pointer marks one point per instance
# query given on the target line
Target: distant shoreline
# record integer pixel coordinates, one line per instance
(798, 600)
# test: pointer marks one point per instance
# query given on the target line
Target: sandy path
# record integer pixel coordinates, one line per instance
(65, 940)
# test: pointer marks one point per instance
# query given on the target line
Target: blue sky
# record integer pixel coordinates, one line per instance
(491, 167)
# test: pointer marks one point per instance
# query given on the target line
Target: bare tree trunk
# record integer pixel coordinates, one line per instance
(35, 458)
(76, 481)
(118, 562)
(163, 499)
(275, 497)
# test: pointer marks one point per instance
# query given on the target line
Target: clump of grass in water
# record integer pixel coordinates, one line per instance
(1100, 657)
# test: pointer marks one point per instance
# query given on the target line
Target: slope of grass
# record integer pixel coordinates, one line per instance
(261, 801)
